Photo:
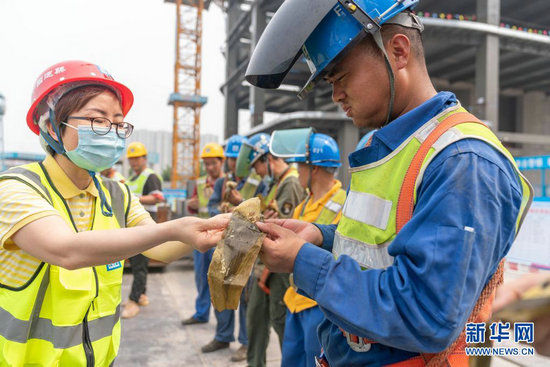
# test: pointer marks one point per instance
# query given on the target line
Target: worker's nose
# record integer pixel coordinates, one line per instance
(337, 93)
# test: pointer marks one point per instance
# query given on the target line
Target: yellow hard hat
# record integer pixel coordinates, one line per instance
(136, 149)
(212, 150)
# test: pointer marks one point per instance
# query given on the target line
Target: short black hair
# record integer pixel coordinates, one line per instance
(390, 30)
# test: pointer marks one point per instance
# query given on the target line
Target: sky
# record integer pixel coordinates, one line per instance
(133, 39)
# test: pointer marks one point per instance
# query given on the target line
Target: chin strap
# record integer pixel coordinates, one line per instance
(310, 193)
(56, 145)
(380, 42)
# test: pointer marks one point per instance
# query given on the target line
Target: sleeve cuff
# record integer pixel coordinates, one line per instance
(327, 231)
(310, 268)
(136, 221)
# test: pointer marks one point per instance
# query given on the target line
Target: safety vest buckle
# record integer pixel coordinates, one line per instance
(357, 344)
(321, 362)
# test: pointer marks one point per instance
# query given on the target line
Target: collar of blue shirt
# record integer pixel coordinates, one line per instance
(388, 138)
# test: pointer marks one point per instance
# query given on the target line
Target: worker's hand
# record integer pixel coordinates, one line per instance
(202, 234)
(305, 230)
(193, 204)
(513, 291)
(270, 214)
(235, 197)
(280, 247)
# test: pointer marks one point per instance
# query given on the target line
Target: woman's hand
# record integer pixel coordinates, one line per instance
(305, 230)
(202, 234)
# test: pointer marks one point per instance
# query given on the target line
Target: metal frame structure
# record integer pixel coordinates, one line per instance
(186, 98)
(500, 74)
(457, 53)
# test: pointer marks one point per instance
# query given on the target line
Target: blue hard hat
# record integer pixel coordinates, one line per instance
(233, 146)
(365, 139)
(260, 146)
(322, 151)
(322, 31)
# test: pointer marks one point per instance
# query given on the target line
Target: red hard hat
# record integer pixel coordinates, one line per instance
(67, 72)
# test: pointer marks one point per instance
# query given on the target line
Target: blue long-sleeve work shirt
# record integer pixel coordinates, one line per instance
(462, 226)
(216, 198)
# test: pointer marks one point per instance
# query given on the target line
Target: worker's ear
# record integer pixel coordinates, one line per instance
(51, 132)
(399, 50)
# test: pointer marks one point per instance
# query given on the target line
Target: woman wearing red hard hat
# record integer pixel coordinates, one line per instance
(65, 231)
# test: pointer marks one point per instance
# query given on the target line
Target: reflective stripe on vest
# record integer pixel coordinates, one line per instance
(75, 311)
(361, 235)
(332, 208)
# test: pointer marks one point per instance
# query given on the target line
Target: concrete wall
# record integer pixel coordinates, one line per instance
(535, 119)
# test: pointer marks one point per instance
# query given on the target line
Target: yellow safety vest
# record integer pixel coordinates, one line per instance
(137, 183)
(272, 195)
(203, 197)
(63, 317)
(294, 301)
(370, 220)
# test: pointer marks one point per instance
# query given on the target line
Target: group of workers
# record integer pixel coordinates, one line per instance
(292, 172)
(388, 274)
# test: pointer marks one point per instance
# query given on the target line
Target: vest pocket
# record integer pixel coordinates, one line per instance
(453, 249)
(74, 290)
(110, 281)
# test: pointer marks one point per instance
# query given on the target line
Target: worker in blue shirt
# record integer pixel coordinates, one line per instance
(244, 189)
(435, 200)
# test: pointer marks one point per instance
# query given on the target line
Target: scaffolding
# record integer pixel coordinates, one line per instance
(493, 54)
(186, 98)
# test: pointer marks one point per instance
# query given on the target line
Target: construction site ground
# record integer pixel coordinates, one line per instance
(155, 338)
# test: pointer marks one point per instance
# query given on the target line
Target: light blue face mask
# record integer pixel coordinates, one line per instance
(96, 152)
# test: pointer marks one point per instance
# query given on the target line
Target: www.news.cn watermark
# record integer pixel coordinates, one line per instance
(524, 332)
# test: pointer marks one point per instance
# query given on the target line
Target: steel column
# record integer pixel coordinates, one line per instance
(257, 95)
(487, 65)
(232, 58)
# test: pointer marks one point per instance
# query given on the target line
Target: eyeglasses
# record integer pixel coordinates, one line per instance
(102, 126)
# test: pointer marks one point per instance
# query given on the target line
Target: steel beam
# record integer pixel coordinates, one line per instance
(256, 103)
(486, 91)
(232, 58)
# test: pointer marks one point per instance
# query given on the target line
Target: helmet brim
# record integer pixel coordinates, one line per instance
(278, 49)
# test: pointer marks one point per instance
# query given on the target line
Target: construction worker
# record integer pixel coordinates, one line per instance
(61, 223)
(147, 186)
(212, 157)
(265, 306)
(112, 174)
(434, 196)
(224, 196)
(318, 158)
